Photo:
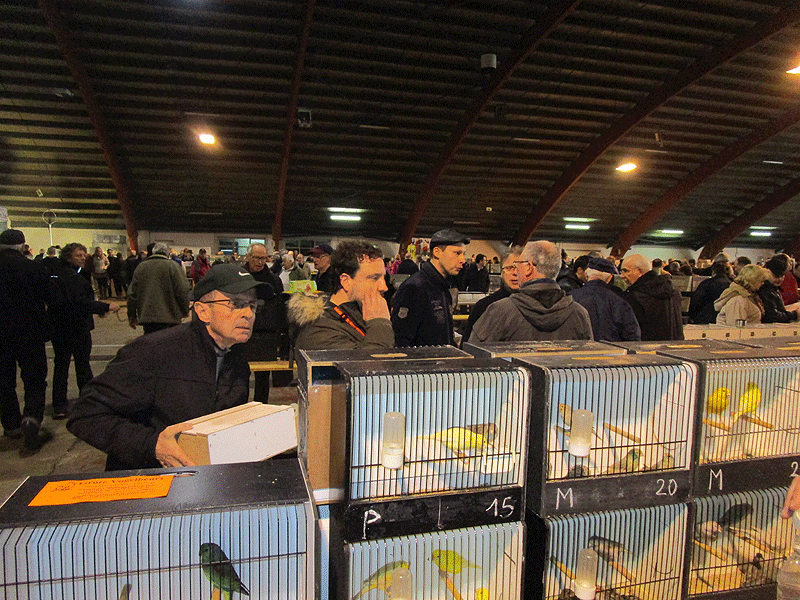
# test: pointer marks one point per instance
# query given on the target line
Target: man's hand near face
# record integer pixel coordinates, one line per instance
(374, 306)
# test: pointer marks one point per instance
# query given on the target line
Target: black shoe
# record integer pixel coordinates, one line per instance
(14, 434)
(35, 436)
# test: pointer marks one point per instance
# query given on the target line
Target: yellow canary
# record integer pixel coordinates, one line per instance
(459, 440)
(627, 464)
(450, 561)
(718, 401)
(381, 579)
(481, 594)
(748, 402)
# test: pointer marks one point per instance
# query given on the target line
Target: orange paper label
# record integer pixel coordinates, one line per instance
(74, 491)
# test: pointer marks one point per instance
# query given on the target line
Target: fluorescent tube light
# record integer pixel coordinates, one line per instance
(336, 217)
(576, 226)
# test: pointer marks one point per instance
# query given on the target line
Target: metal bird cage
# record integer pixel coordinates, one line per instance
(749, 413)
(639, 553)
(666, 347)
(461, 433)
(472, 563)
(540, 348)
(738, 543)
(321, 414)
(635, 447)
(237, 529)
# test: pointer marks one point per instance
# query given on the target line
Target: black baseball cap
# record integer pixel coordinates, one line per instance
(12, 237)
(321, 249)
(228, 278)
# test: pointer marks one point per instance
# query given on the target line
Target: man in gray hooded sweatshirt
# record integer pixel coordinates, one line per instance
(540, 310)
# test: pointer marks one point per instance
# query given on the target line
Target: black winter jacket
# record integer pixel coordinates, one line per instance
(611, 315)
(155, 381)
(73, 303)
(701, 308)
(24, 289)
(421, 310)
(774, 309)
(657, 306)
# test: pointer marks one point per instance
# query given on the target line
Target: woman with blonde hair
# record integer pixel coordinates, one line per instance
(740, 301)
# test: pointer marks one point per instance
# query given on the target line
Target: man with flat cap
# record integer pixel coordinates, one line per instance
(612, 316)
(421, 314)
(135, 410)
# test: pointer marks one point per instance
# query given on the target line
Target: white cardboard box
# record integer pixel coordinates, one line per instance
(246, 433)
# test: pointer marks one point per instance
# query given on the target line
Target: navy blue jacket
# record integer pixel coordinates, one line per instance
(421, 310)
(701, 308)
(612, 316)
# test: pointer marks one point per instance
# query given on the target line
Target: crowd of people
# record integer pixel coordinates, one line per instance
(240, 313)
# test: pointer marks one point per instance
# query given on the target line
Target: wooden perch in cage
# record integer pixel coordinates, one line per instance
(563, 568)
(720, 555)
(622, 432)
(756, 421)
(716, 424)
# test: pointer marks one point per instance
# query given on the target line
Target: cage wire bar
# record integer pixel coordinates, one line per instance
(751, 409)
(642, 419)
(640, 552)
(267, 548)
(471, 563)
(738, 541)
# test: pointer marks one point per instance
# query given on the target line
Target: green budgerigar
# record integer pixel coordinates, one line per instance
(218, 569)
(381, 579)
(450, 561)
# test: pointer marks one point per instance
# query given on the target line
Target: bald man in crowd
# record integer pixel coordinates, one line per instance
(655, 301)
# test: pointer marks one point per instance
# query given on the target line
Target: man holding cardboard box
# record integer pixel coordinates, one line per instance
(135, 410)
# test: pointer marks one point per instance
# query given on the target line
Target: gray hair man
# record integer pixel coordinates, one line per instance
(655, 301)
(540, 310)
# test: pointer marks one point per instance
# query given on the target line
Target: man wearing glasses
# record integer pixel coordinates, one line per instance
(136, 408)
(540, 310)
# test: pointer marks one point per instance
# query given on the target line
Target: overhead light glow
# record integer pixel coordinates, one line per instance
(760, 233)
(626, 168)
(338, 209)
(576, 226)
(772, 162)
(579, 219)
(672, 231)
(207, 138)
(795, 71)
(336, 217)
(765, 227)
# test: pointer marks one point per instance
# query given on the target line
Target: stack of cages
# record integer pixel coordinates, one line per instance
(245, 529)
(322, 410)
(509, 350)
(611, 449)
(748, 448)
(436, 457)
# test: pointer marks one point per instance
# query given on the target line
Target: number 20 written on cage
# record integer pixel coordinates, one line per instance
(499, 510)
(666, 487)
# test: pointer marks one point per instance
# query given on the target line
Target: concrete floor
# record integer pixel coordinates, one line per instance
(65, 453)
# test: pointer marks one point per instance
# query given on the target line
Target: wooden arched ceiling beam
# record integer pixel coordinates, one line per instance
(291, 115)
(674, 195)
(673, 86)
(65, 43)
(556, 13)
(759, 210)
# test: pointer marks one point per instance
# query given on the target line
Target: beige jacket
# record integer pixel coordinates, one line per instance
(738, 303)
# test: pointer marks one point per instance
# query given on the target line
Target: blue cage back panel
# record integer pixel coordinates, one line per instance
(463, 430)
(640, 552)
(270, 549)
(738, 540)
(643, 418)
(473, 563)
(751, 409)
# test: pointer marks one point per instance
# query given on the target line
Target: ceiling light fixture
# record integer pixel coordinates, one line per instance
(626, 168)
(339, 217)
(772, 162)
(760, 233)
(795, 71)
(580, 219)
(577, 226)
(764, 227)
(206, 138)
(672, 231)
(339, 209)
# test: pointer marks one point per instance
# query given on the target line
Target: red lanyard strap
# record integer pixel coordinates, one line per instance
(348, 320)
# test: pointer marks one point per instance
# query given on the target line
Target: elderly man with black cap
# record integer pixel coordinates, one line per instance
(23, 332)
(135, 410)
(322, 263)
(612, 316)
(421, 314)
